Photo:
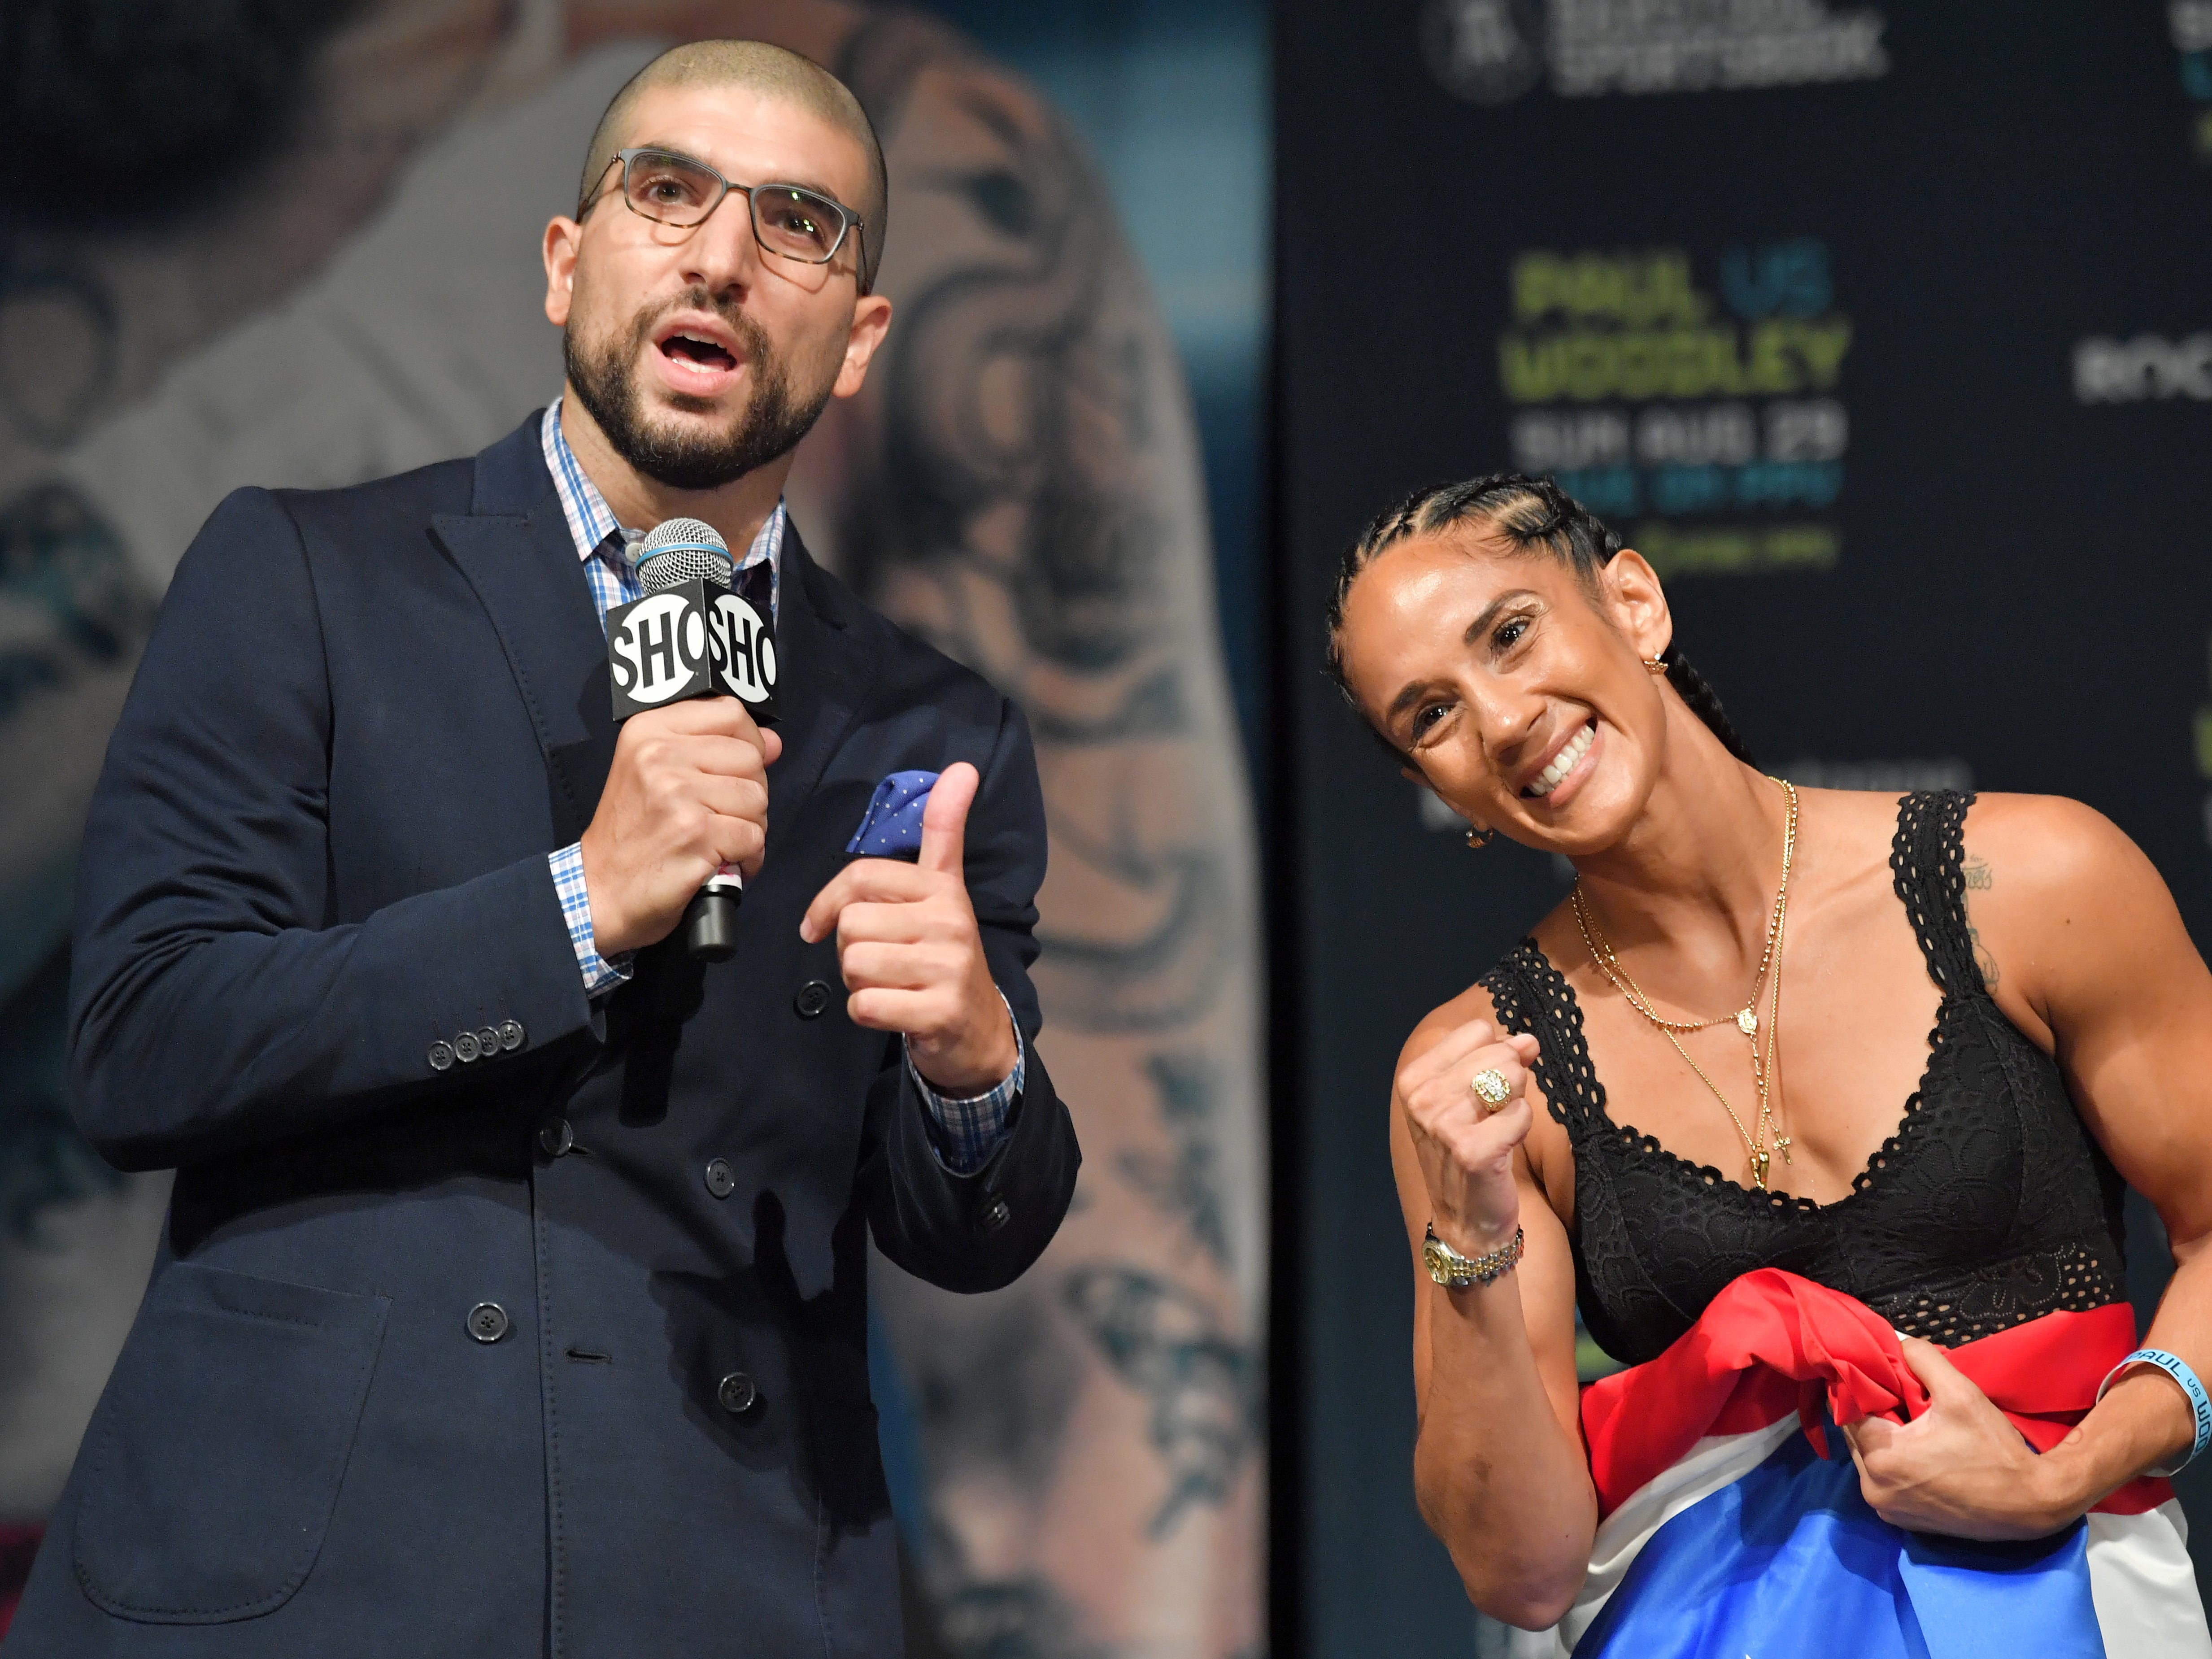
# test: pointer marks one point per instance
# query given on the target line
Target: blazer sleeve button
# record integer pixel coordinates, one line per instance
(487, 1043)
(812, 999)
(466, 1048)
(442, 1055)
(510, 1034)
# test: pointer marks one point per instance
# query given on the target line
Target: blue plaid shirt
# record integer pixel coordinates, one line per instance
(964, 1132)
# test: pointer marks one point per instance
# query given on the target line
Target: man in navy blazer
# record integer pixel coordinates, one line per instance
(512, 1300)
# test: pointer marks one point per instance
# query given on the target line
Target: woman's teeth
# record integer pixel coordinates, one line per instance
(1565, 762)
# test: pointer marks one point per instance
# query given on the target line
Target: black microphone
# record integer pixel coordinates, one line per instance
(691, 637)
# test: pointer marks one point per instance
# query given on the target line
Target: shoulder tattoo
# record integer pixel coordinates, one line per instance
(1978, 879)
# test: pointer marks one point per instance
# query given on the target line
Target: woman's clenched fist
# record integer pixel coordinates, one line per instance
(1465, 1143)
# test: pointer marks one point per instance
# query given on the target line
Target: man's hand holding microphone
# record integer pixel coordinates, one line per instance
(687, 794)
(686, 805)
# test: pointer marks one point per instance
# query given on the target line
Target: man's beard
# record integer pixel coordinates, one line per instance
(770, 424)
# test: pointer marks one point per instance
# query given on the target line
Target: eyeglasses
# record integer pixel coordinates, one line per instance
(789, 220)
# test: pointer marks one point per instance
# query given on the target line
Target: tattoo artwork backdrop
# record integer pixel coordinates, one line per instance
(297, 245)
(1886, 332)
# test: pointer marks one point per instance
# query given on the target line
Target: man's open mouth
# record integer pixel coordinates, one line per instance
(691, 348)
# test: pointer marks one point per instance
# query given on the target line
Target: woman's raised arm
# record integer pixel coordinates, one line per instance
(1499, 1468)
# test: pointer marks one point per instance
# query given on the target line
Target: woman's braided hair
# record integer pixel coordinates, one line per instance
(1535, 515)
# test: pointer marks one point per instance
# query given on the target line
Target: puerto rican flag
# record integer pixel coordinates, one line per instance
(1725, 1531)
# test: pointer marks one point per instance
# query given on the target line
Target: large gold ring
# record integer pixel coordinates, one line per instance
(1490, 1083)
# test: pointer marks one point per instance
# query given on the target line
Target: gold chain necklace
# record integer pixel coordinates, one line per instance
(1746, 1019)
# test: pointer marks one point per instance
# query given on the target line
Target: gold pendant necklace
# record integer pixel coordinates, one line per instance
(1747, 1020)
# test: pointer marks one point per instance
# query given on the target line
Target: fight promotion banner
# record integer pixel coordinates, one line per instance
(1883, 332)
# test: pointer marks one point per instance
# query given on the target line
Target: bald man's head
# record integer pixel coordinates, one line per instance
(771, 72)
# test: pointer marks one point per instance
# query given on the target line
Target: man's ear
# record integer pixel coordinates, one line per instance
(871, 320)
(564, 238)
(1638, 603)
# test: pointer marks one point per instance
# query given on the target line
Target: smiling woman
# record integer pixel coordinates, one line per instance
(1525, 513)
(1762, 1242)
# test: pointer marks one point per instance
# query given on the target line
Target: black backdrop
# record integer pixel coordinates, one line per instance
(1887, 333)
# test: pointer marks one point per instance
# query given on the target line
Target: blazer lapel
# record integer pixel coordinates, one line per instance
(825, 676)
(515, 549)
(524, 567)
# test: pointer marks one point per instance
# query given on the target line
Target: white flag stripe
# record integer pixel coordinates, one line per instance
(1713, 1463)
(2144, 1586)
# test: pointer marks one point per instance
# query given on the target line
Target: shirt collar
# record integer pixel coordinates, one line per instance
(592, 521)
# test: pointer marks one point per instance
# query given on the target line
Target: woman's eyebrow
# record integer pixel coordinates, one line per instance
(1480, 625)
(1476, 630)
(1405, 700)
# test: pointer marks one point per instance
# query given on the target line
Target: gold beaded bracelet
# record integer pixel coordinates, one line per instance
(1455, 1272)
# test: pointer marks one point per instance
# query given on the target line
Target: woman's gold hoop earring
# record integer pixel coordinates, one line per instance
(1478, 837)
(1657, 665)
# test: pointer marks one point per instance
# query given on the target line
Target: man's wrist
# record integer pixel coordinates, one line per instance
(598, 904)
(966, 1130)
(950, 1074)
(602, 972)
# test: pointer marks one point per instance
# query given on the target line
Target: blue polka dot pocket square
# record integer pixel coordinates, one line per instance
(892, 825)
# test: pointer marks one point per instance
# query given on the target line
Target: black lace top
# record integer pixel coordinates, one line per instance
(1991, 1205)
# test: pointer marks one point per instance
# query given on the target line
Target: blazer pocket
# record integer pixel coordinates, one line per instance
(213, 1463)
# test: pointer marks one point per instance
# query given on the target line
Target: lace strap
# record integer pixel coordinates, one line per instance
(1926, 858)
(1532, 998)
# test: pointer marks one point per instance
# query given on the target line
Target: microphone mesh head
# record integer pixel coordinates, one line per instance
(682, 550)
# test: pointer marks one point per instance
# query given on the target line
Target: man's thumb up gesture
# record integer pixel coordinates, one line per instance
(910, 953)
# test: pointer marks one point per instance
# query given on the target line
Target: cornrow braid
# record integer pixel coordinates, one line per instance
(1705, 702)
(1535, 515)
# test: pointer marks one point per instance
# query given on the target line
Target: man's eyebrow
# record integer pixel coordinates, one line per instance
(1476, 630)
(802, 182)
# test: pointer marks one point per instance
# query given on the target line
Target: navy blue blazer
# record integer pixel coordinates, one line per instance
(562, 1350)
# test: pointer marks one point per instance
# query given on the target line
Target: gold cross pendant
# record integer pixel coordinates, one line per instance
(1782, 1146)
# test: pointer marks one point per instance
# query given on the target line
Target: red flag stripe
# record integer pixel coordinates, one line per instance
(1772, 1343)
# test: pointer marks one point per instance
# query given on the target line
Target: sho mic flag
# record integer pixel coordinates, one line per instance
(691, 635)
(741, 639)
(661, 648)
(696, 632)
